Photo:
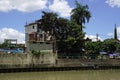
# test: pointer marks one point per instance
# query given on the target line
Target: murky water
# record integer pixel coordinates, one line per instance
(64, 75)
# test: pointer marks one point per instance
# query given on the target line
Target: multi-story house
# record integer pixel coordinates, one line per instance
(37, 39)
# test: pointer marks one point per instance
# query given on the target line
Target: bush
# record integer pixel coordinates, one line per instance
(36, 52)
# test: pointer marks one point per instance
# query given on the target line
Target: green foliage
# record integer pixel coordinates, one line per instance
(67, 33)
(115, 33)
(110, 45)
(5, 45)
(76, 37)
(35, 52)
(80, 14)
(93, 47)
(48, 21)
(118, 47)
(62, 29)
(8, 45)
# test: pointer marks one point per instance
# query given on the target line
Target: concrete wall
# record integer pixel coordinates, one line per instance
(39, 46)
(31, 28)
(68, 63)
(43, 59)
(87, 62)
(16, 60)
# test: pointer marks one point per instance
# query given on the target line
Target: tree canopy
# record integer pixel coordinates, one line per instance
(48, 21)
(68, 33)
(80, 14)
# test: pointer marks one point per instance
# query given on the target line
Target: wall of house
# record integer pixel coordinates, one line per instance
(39, 46)
(31, 28)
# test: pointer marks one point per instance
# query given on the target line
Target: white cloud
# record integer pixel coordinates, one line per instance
(22, 5)
(62, 7)
(110, 34)
(113, 3)
(118, 30)
(5, 5)
(93, 37)
(9, 33)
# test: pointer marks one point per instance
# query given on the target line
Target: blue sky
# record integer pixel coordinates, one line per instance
(14, 14)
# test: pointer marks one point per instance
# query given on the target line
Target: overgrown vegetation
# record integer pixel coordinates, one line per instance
(68, 33)
(34, 52)
(7, 45)
(108, 45)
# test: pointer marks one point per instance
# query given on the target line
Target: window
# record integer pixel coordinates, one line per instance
(33, 27)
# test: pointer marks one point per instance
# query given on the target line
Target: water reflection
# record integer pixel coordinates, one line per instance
(64, 75)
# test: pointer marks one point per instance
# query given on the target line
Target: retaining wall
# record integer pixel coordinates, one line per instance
(18, 60)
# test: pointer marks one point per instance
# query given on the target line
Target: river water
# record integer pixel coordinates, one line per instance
(64, 75)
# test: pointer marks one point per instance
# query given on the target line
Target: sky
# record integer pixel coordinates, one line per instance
(14, 14)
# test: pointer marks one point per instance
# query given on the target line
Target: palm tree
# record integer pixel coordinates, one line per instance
(80, 14)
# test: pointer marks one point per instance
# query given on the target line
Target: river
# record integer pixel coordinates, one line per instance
(64, 75)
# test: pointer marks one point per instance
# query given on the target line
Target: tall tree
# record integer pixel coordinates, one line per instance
(48, 21)
(80, 14)
(62, 28)
(115, 33)
(56, 26)
(75, 37)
